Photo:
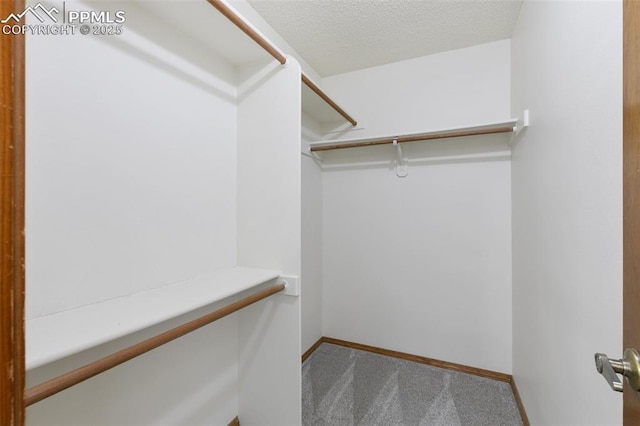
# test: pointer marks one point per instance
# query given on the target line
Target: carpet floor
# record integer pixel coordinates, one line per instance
(343, 387)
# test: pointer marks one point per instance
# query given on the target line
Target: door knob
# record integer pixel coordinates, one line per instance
(628, 366)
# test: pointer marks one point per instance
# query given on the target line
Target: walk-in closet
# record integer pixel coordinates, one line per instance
(322, 212)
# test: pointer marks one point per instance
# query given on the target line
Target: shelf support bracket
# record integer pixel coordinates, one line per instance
(521, 124)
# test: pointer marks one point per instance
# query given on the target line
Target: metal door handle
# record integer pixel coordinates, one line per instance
(628, 366)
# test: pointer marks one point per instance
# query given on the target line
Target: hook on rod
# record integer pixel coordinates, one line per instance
(402, 168)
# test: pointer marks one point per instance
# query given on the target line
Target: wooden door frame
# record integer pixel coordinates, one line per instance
(631, 195)
(12, 278)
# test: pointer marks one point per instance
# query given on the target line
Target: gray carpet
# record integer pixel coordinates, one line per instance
(343, 386)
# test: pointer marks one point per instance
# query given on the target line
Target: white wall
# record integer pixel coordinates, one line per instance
(423, 264)
(269, 236)
(454, 88)
(121, 177)
(567, 209)
(311, 297)
(135, 182)
(311, 238)
(131, 185)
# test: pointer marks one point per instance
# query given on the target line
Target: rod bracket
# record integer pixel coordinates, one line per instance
(292, 285)
(521, 124)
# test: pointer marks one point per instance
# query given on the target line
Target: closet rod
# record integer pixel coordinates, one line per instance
(327, 99)
(413, 138)
(248, 30)
(60, 383)
(273, 51)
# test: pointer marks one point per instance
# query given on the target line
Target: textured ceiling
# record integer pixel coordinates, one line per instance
(336, 36)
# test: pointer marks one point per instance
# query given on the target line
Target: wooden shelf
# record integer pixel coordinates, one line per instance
(53, 337)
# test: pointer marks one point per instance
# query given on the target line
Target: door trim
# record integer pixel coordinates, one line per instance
(631, 195)
(12, 188)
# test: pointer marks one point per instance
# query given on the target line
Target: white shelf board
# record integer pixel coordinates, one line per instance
(53, 337)
(314, 106)
(202, 22)
(485, 126)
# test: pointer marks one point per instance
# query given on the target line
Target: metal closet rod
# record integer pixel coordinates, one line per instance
(413, 138)
(60, 383)
(273, 51)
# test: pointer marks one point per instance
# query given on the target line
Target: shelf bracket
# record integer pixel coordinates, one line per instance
(521, 124)
(402, 165)
(291, 285)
